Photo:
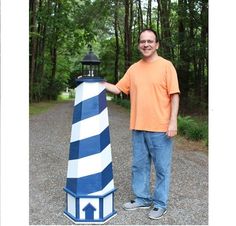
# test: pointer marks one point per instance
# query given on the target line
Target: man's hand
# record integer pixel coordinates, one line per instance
(111, 88)
(172, 128)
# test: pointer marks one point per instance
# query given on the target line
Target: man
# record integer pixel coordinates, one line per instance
(154, 94)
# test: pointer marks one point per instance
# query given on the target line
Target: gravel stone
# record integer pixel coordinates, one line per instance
(49, 152)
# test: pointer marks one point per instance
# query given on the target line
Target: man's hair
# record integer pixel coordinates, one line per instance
(151, 30)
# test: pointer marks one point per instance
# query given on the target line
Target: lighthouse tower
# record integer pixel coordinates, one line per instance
(89, 185)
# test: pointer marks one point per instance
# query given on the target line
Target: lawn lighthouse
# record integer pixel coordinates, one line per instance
(89, 185)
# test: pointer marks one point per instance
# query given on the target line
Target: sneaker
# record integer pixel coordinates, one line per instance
(157, 213)
(132, 205)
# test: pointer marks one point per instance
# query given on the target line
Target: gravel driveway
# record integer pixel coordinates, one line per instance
(49, 152)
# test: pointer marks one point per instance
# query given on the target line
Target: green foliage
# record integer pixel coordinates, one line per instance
(123, 102)
(192, 129)
(107, 56)
(64, 96)
(56, 86)
(68, 26)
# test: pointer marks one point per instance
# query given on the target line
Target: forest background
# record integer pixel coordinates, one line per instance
(61, 30)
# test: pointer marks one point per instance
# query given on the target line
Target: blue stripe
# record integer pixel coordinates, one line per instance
(91, 183)
(101, 208)
(66, 202)
(89, 79)
(90, 107)
(113, 205)
(77, 214)
(89, 146)
(90, 196)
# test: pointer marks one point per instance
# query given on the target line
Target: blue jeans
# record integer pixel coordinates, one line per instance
(147, 146)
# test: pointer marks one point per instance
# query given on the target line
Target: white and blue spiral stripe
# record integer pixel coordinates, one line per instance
(90, 164)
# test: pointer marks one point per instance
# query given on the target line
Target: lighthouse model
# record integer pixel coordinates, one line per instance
(89, 184)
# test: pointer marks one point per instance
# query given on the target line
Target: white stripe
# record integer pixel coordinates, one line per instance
(89, 127)
(87, 90)
(71, 205)
(107, 205)
(89, 165)
(109, 187)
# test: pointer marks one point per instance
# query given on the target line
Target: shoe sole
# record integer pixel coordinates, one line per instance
(157, 218)
(136, 208)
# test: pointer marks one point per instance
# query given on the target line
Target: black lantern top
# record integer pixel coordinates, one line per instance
(90, 58)
(90, 68)
(90, 64)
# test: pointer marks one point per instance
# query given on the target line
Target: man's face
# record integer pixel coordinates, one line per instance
(147, 44)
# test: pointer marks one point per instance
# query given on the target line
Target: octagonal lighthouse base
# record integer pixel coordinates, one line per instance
(89, 185)
(90, 209)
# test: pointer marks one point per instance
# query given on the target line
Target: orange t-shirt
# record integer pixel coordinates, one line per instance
(150, 86)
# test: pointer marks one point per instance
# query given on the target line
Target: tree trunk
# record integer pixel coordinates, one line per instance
(204, 59)
(166, 43)
(41, 51)
(183, 67)
(117, 41)
(201, 78)
(149, 14)
(33, 46)
(140, 16)
(158, 21)
(53, 50)
(191, 45)
(127, 33)
(131, 33)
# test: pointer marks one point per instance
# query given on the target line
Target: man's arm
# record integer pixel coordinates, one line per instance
(172, 128)
(111, 88)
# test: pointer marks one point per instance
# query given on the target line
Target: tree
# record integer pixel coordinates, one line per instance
(184, 59)
(116, 26)
(128, 32)
(33, 44)
(165, 34)
(140, 15)
(149, 14)
(61, 30)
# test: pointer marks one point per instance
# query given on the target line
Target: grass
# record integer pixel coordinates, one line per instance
(37, 108)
